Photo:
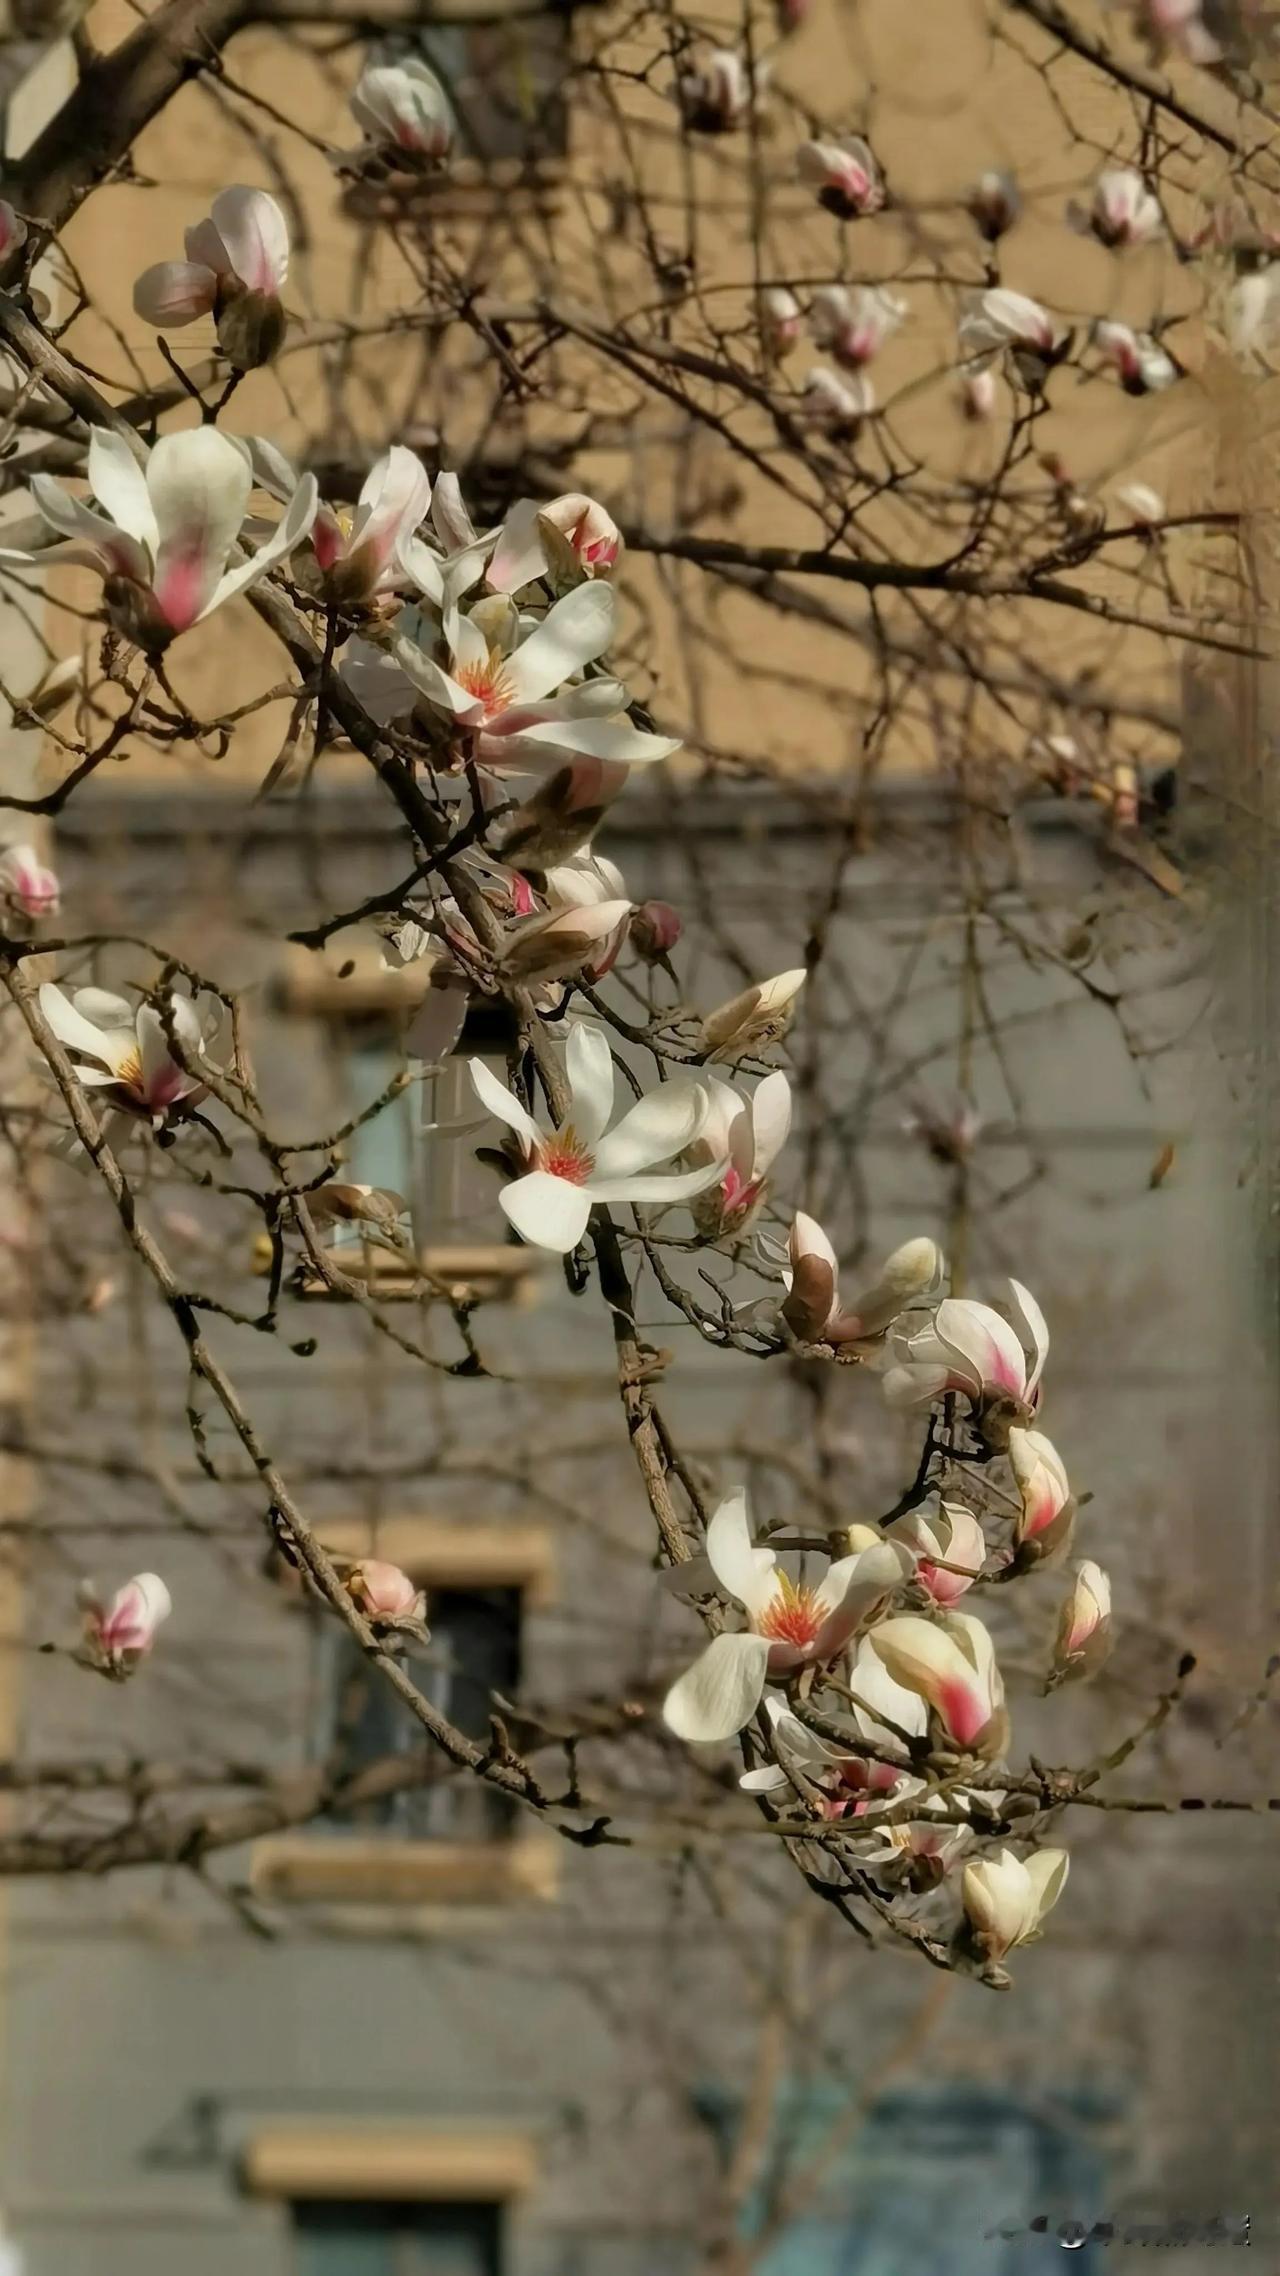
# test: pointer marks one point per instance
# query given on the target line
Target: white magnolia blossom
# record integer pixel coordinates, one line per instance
(720, 95)
(747, 1135)
(235, 270)
(1142, 365)
(402, 107)
(1084, 1625)
(525, 546)
(27, 884)
(968, 1348)
(854, 325)
(950, 1663)
(1122, 211)
(357, 549)
(569, 1169)
(125, 1053)
(502, 679)
(1251, 312)
(849, 1782)
(836, 406)
(756, 1018)
(1144, 506)
(950, 1549)
(1177, 27)
(780, 318)
(1005, 1899)
(162, 540)
(790, 1624)
(811, 1275)
(845, 175)
(118, 1635)
(998, 319)
(1044, 1521)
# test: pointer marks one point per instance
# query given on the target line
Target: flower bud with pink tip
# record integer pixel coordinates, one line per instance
(119, 1635)
(995, 202)
(235, 270)
(813, 1310)
(1005, 1899)
(1048, 1508)
(950, 1549)
(853, 326)
(1142, 366)
(383, 1592)
(950, 1663)
(1122, 211)
(747, 1135)
(403, 108)
(719, 95)
(755, 1019)
(970, 1349)
(582, 938)
(1084, 1627)
(655, 929)
(27, 885)
(835, 406)
(845, 175)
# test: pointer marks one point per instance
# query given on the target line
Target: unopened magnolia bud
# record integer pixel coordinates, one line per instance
(755, 1018)
(1005, 1899)
(995, 203)
(383, 1592)
(119, 1635)
(1084, 1627)
(655, 929)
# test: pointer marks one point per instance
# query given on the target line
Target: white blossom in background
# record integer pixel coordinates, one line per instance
(1122, 211)
(1141, 364)
(125, 1054)
(236, 267)
(999, 320)
(1045, 1521)
(537, 538)
(995, 203)
(790, 1624)
(503, 679)
(1005, 1899)
(811, 1275)
(357, 550)
(719, 95)
(1251, 310)
(27, 884)
(950, 1549)
(845, 175)
(780, 319)
(968, 1348)
(402, 106)
(163, 538)
(836, 406)
(1177, 27)
(1084, 1626)
(978, 393)
(119, 1634)
(747, 1134)
(854, 325)
(569, 1169)
(950, 1663)
(1144, 506)
(755, 1019)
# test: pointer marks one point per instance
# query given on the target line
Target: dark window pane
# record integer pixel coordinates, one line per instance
(334, 2238)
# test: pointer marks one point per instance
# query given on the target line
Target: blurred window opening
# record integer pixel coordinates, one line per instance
(334, 2238)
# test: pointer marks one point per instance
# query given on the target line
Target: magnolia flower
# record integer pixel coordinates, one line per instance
(574, 937)
(854, 325)
(780, 317)
(999, 319)
(403, 107)
(537, 538)
(1005, 1900)
(162, 541)
(1122, 211)
(1250, 310)
(848, 1782)
(813, 1310)
(126, 1053)
(236, 265)
(500, 678)
(845, 174)
(655, 929)
(1048, 1510)
(833, 405)
(747, 1135)
(968, 1348)
(1142, 364)
(978, 395)
(568, 1170)
(26, 885)
(790, 1624)
(950, 1550)
(721, 94)
(1178, 27)
(383, 1592)
(756, 1018)
(1144, 506)
(1084, 1626)
(950, 1663)
(357, 552)
(119, 1635)
(995, 203)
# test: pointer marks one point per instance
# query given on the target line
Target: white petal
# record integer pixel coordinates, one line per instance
(436, 685)
(577, 630)
(120, 487)
(518, 556)
(770, 1121)
(742, 1568)
(655, 1129)
(395, 496)
(502, 1102)
(589, 1066)
(288, 533)
(720, 1692)
(667, 1186)
(103, 1009)
(172, 293)
(256, 235)
(615, 741)
(423, 567)
(449, 517)
(1037, 1327)
(547, 1210)
(199, 484)
(73, 1029)
(111, 550)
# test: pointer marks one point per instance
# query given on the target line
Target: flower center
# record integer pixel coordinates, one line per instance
(564, 1156)
(488, 683)
(793, 1617)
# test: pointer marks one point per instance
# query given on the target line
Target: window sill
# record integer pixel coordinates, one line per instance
(301, 1869)
(482, 1275)
(435, 2163)
(440, 1554)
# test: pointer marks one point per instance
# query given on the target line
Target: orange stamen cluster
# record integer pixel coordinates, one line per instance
(564, 1156)
(794, 1616)
(487, 682)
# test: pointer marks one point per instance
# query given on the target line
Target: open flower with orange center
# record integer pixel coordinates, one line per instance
(126, 1053)
(791, 1624)
(569, 1169)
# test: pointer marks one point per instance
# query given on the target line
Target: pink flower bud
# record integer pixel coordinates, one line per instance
(995, 203)
(655, 929)
(27, 885)
(845, 175)
(1084, 1627)
(121, 1633)
(383, 1592)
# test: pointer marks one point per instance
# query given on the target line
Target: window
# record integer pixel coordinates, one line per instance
(474, 1652)
(333, 2237)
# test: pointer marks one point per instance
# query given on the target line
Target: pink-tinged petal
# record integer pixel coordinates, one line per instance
(851, 1591)
(205, 248)
(964, 1708)
(720, 1693)
(985, 1347)
(174, 293)
(548, 1211)
(256, 236)
(394, 499)
(199, 484)
(742, 1568)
